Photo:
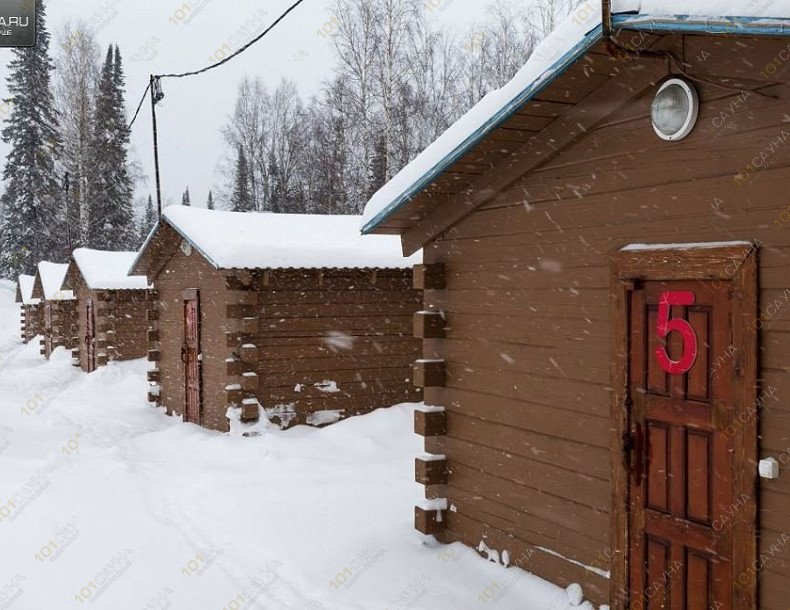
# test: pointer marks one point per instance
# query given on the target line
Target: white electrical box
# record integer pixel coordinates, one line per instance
(769, 468)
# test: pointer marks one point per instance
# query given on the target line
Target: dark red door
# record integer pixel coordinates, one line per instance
(48, 329)
(681, 473)
(90, 335)
(190, 356)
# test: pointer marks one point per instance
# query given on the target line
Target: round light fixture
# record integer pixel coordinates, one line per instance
(675, 109)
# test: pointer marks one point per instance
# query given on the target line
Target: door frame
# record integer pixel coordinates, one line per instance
(48, 324)
(736, 263)
(90, 334)
(193, 294)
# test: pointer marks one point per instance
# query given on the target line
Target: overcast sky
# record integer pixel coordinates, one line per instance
(191, 116)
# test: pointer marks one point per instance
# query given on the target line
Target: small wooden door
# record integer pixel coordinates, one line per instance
(47, 329)
(190, 356)
(90, 335)
(682, 463)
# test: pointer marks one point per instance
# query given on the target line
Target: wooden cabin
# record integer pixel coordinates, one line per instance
(291, 316)
(29, 308)
(58, 308)
(111, 307)
(606, 327)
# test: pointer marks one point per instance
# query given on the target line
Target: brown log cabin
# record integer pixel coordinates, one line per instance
(29, 309)
(600, 411)
(292, 318)
(111, 308)
(58, 308)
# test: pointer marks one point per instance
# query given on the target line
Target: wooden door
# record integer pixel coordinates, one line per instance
(190, 356)
(90, 335)
(682, 459)
(47, 329)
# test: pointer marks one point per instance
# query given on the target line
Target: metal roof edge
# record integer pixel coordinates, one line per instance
(761, 26)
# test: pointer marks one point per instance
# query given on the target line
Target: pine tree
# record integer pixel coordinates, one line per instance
(32, 227)
(210, 201)
(148, 220)
(185, 198)
(241, 200)
(111, 216)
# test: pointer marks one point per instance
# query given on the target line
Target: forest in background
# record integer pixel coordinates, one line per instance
(398, 82)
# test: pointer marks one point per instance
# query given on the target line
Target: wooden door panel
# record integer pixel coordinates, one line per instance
(48, 329)
(683, 474)
(190, 356)
(698, 476)
(90, 335)
(658, 475)
(698, 378)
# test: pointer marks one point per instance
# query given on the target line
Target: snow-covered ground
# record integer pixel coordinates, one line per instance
(107, 502)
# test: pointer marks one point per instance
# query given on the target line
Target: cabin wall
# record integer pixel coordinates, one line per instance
(62, 330)
(527, 301)
(31, 322)
(120, 323)
(180, 273)
(335, 343)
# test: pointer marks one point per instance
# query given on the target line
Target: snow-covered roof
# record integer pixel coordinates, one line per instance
(26, 289)
(105, 270)
(236, 240)
(571, 40)
(52, 276)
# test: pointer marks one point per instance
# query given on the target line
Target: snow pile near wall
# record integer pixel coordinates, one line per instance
(104, 270)
(235, 240)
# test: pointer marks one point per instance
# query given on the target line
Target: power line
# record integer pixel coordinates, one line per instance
(240, 51)
(139, 106)
(156, 91)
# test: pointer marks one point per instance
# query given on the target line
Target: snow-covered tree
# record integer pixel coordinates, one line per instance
(148, 219)
(110, 189)
(210, 201)
(32, 209)
(185, 198)
(77, 67)
(242, 201)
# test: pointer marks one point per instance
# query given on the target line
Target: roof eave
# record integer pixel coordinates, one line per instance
(135, 268)
(659, 23)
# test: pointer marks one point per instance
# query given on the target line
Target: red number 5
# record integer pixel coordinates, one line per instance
(666, 325)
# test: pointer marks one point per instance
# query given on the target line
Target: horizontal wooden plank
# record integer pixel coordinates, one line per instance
(373, 311)
(582, 448)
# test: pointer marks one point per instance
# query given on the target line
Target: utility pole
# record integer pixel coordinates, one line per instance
(156, 96)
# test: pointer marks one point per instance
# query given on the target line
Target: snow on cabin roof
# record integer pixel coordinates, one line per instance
(703, 245)
(570, 41)
(236, 240)
(26, 289)
(106, 270)
(52, 276)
